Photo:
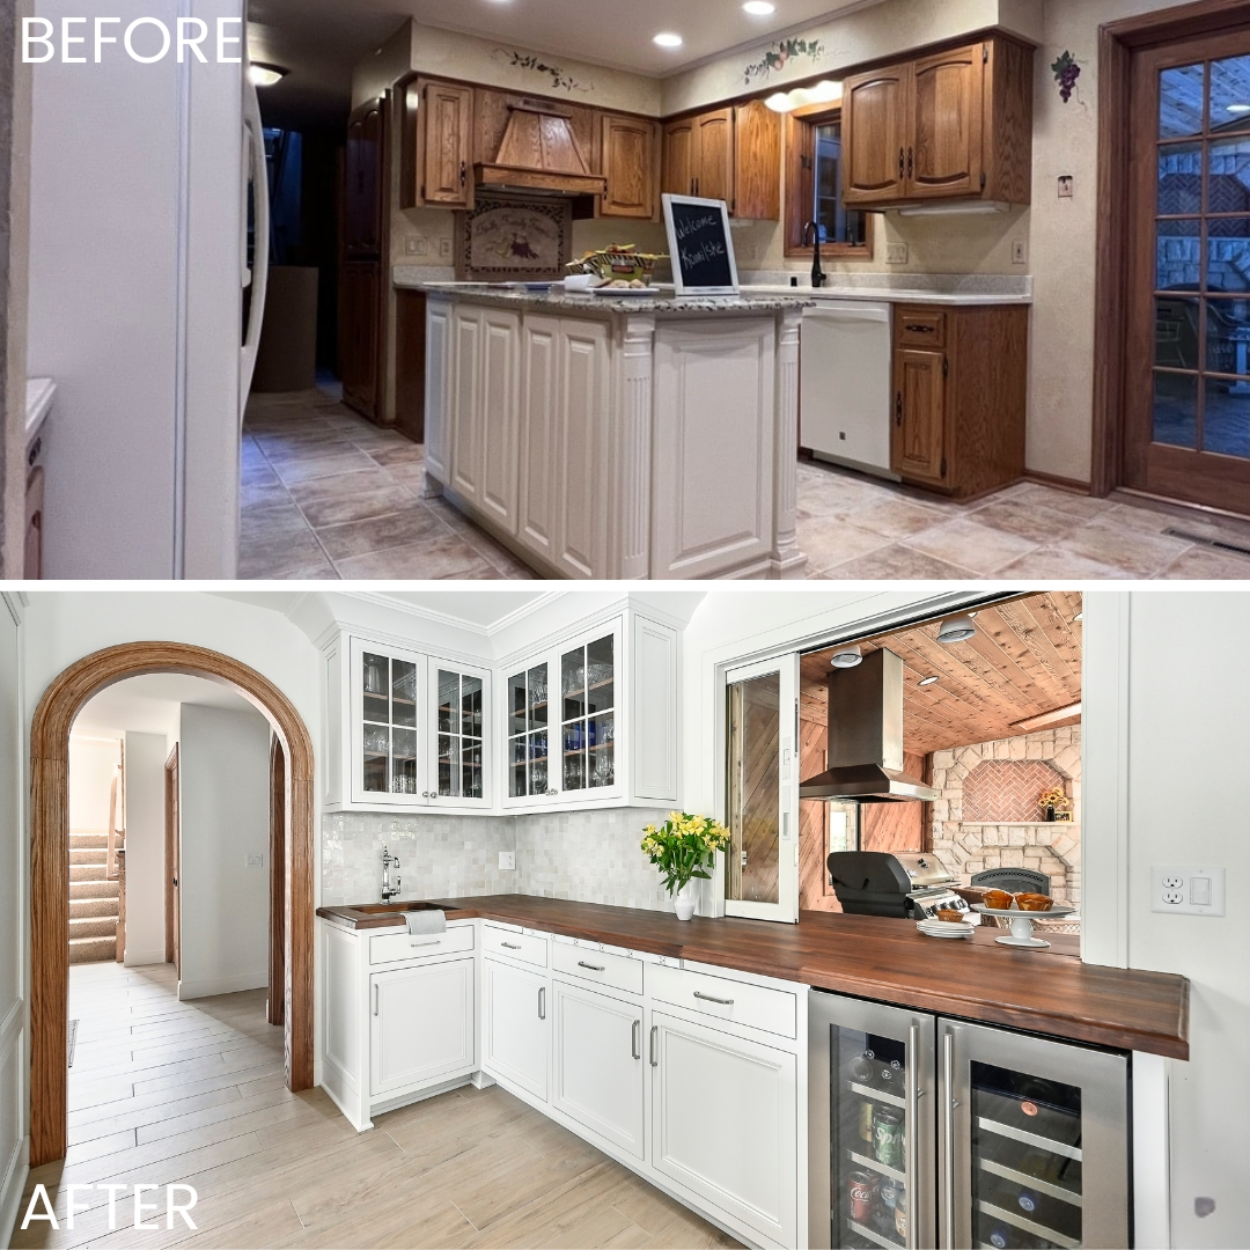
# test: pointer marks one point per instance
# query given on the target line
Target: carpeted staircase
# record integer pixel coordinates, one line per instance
(93, 900)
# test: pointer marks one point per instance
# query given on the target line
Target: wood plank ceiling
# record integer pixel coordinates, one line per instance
(1025, 660)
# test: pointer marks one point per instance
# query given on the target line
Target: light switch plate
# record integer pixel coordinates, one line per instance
(896, 253)
(1187, 890)
(254, 861)
(1020, 253)
(507, 861)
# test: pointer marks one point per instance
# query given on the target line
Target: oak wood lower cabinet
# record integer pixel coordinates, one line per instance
(516, 1037)
(725, 1122)
(360, 326)
(960, 396)
(598, 1066)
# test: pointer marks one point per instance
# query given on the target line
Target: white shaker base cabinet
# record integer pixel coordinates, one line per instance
(423, 1023)
(598, 1064)
(516, 1029)
(724, 1122)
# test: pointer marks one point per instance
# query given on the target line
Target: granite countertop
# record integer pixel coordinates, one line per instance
(666, 304)
(872, 957)
(39, 395)
(902, 295)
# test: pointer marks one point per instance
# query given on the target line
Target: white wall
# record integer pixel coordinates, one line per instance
(223, 768)
(145, 848)
(14, 945)
(92, 767)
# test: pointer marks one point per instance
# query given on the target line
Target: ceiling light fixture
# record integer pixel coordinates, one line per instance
(957, 629)
(929, 681)
(824, 92)
(759, 8)
(1080, 616)
(666, 39)
(261, 75)
(1239, 109)
(847, 657)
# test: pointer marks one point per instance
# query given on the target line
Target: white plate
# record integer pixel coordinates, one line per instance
(627, 290)
(940, 929)
(1016, 913)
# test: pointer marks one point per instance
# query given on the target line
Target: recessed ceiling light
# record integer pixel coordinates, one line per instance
(957, 629)
(759, 8)
(848, 657)
(262, 75)
(666, 39)
(1080, 616)
(929, 681)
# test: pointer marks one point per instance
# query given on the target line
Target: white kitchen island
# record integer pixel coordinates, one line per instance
(618, 437)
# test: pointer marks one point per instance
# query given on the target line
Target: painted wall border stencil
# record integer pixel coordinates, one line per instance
(776, 59)
(558, 78)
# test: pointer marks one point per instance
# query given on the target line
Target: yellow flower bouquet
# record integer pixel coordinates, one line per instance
(1056, 799)
(684, 847)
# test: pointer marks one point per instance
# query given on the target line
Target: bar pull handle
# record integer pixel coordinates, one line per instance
(581, 963)
(898, 410)
(635, 1040)
(911, 1133)
(464, 172)
(655, 1063)
(510, 946)
(707, 998)
(948, 1177)
(921, 329)
(375, 998)
(542, 1002)
(436, 942)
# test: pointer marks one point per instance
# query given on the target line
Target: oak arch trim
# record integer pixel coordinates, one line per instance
(49, 900)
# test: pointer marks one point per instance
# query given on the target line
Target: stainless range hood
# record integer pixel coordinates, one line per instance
(865, 749)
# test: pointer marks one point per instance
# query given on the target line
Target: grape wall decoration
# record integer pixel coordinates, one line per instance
(560, 79)
(1066, 71)
(776, 59)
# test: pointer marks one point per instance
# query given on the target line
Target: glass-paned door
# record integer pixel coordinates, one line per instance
(528, 754)
(1035, 1141)
(871, 1125)
(388, 724)
(588, 716)
(459, 730)
(761, 791)
(1189, 363)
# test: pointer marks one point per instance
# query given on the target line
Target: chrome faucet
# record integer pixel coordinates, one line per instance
(389, 861)
(813, 231)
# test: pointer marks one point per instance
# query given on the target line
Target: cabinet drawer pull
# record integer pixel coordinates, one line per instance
(510, 946)
(921, 329)
(655, 1063)
(542, 1002)
(635, 1040)
(707, 998)
(436, 942)
(375, 999)
(581, 963)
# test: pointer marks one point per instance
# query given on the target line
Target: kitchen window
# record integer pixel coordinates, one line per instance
(814, 188)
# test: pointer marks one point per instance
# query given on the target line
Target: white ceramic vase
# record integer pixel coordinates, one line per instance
(683, 901)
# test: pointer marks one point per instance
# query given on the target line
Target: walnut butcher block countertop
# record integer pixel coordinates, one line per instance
(872, 957)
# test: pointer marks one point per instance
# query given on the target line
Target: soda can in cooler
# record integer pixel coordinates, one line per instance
(900, 1212)
(866, 1109)
(861, 1188)
(887, 1137)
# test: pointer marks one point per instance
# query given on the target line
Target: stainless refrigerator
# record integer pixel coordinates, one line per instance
(926, 1131)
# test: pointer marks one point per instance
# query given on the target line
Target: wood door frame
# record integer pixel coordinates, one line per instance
(1117, 42)
(49, 899)
(171, 769)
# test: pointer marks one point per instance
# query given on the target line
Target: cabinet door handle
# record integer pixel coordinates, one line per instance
(902, 163)
(655, 1063)
(551, 794)
(921, 329)
(707, 998)
(542, 1002)
(948, 1180)
(464, 173)
(635, 1040)
(375, 999)
(911, 162)
(898, 410)
(581, 963)
(510, 946)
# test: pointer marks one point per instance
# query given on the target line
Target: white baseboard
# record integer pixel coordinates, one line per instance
(207, 987)
(11, 1189)
(141, 959)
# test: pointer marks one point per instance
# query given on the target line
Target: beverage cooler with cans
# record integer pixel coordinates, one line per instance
(927, 1131)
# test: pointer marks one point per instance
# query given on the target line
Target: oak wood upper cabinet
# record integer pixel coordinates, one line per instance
(629, 149)
(960, 382)
(951, 125)
(731, 154)
(362, 172)
(438, 146)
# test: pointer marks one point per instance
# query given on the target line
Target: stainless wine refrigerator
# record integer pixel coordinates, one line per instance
(927, 1131)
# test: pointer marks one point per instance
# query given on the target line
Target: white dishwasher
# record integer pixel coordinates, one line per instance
(847, 384)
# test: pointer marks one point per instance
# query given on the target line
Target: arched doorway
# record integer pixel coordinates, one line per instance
(49, 808)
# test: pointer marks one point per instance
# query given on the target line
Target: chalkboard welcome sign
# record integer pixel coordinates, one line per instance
(701, 246)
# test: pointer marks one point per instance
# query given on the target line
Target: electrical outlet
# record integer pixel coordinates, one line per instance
(1187, 891)
(1067, 187)
(417, 245)
(444, 249)
(507, 861)
(1020, 253)
(896, 253)
(254, 861)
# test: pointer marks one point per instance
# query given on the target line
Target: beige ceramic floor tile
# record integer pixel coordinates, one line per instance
(971, 546)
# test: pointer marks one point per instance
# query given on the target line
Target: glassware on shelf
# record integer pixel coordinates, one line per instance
(377, 741)
(375, 674)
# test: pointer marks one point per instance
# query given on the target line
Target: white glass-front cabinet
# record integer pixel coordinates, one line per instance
(593, 720)
(414, 731)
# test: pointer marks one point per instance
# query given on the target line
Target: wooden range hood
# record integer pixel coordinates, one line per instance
(540, 153)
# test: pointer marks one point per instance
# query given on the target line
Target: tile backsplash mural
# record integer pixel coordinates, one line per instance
(587, 857)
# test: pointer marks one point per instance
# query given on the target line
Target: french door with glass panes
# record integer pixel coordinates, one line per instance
(562, 715)
(761, 792)
(418, 730)
(1187, 434)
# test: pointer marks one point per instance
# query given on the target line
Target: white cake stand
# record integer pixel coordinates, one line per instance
(1022, 923)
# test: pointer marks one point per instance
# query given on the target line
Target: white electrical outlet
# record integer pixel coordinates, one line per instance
(507, 861)
(1187, 891)
(896, 253)
(444, 248)
(1020, 253)
(417, 245)
(254, 861)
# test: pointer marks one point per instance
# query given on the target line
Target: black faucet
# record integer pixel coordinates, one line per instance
(813, 230)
